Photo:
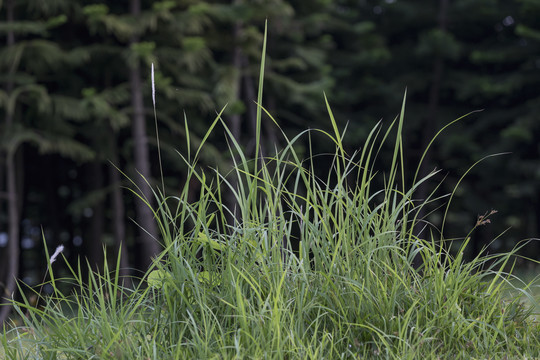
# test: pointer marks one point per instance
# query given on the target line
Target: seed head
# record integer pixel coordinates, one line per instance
(153, 87)
(57, 252)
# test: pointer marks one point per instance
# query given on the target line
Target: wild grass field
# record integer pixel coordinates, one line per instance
(301, 267)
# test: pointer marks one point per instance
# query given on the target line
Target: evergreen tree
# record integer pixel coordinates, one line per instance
(75, 84)
(28, 105)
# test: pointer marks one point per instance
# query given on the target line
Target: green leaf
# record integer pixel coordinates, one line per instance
(211, 278)
(203, 239)
(158, 278)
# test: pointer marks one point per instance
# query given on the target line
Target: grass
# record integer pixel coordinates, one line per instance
(298, 267)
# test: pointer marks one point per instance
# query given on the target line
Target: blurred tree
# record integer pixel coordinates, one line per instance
(76, 84)
(295, 71)
(10, 270)
(360, 60)
(25, 61)
(495, 71)
(524, 130)
(148, 234)
(453, 57)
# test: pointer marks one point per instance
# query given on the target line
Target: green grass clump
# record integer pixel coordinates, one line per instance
(227, 289)
(296, 267)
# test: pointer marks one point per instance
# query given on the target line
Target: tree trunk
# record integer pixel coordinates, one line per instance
(250, 98)
(430, 126)
(236, 119)
(13, 236)
(93, 244)
(269, 127)
(431, 121)
(12, 198)
(148, 233)
(119, 228)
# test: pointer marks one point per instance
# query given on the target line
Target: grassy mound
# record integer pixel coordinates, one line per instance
(295, 267)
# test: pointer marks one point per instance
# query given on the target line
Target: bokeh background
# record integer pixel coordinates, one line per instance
(76, 107)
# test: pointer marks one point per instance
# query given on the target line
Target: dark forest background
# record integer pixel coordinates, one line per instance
(75, 99)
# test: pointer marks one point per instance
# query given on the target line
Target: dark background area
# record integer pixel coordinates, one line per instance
(75, 98)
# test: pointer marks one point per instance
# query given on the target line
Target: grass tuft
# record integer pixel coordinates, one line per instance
(308, 268)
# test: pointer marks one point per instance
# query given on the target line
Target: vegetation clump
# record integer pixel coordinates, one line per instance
(296, 267)
(246, 289)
